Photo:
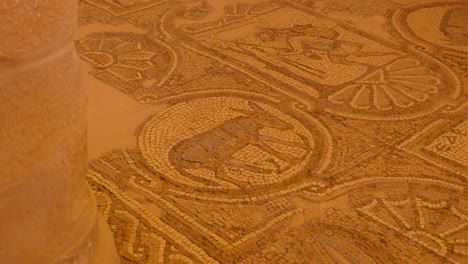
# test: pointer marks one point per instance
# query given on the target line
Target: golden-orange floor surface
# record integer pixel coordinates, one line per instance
(287, 131)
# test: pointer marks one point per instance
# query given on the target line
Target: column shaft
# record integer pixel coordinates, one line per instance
(47, 212)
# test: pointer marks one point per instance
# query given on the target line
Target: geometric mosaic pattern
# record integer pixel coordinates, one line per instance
(295, 132)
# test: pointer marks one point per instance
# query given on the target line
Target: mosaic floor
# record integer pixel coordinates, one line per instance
(288, 131)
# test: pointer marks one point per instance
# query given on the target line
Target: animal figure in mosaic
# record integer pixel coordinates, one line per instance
(454, 25)
(214, 149)
(317, 43)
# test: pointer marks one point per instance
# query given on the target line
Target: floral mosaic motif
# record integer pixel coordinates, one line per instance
(126, 60)
(129, 61)
(402, 84)
(415, 218)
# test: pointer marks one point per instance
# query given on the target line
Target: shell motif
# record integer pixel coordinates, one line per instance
(399, 85)
(124, 59)
(438, 226)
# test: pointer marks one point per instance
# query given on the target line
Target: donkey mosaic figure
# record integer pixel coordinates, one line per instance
(214, 149)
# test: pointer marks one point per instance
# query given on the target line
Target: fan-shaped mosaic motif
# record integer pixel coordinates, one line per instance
(402, 84)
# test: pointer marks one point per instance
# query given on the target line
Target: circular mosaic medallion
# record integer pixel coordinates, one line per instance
(222, 143)
(439, 23)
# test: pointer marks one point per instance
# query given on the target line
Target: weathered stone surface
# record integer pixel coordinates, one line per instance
(30, 26)
(47, 212)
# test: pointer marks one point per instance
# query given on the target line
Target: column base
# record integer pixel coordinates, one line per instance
(97, 247)
(105, 251)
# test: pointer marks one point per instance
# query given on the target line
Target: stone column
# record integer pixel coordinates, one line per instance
(47, 212)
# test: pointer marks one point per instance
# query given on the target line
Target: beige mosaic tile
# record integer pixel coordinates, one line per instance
(293, 131)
